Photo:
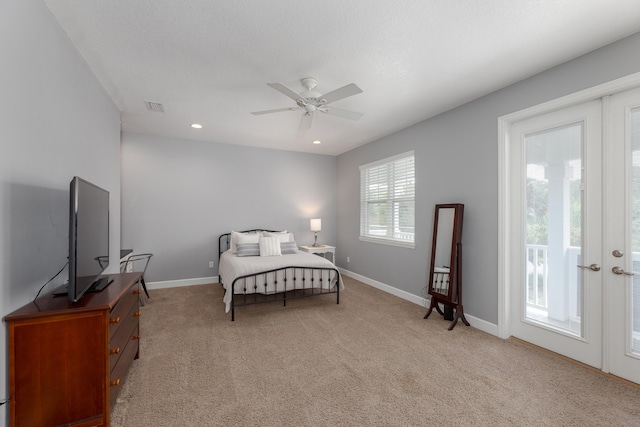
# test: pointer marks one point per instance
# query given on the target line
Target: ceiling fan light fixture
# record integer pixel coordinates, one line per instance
(311, 101)
(309, 83)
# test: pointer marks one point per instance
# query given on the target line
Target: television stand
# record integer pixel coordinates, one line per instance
(69, 361)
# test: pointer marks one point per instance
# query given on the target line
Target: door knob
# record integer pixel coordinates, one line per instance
(620, 270)
(592, 267)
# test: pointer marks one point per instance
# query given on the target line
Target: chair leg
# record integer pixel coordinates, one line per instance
(144, 286)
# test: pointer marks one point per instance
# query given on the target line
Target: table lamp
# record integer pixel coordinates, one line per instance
(316, 225)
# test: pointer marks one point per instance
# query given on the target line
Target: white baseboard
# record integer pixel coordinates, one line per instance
(182, 282)
(480, 324)
(424, 302)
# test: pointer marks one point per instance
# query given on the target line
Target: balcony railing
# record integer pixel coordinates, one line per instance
(537, 281)
(537, 276)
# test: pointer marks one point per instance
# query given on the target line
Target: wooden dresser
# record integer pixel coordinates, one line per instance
(68, 361)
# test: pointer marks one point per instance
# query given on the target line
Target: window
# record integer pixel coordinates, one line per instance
(387, 201)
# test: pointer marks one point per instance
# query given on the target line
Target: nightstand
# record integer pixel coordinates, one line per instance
(321, 250)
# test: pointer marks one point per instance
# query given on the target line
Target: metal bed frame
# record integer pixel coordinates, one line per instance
(290, 272)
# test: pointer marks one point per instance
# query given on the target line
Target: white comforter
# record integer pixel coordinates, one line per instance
(232, 267)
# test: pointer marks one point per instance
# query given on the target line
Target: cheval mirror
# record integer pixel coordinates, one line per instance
(445, 274)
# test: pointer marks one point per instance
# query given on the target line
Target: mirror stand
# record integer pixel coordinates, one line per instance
(445, 276)
(456, 309)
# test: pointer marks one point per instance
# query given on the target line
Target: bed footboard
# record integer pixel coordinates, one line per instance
(283, 284)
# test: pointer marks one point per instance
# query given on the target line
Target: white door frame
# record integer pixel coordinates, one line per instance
(505, 242)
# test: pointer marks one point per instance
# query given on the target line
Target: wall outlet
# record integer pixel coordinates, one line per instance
(210, 264)
(348, 260)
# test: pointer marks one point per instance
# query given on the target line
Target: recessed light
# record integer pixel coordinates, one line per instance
(196, 126)
(317, 142)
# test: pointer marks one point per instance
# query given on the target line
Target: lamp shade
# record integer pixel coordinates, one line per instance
(316, 224)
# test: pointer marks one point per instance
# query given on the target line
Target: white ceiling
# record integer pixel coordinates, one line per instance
(209, 61)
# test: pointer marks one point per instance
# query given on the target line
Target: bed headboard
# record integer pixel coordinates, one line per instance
(224, 241)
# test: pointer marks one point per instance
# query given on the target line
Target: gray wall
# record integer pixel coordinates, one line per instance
(178, 196)
(457, 162)
(56, 121)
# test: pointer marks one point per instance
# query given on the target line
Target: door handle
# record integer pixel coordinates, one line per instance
(620, 270)
(592, 267)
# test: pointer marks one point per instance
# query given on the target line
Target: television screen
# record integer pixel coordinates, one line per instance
(88, 238)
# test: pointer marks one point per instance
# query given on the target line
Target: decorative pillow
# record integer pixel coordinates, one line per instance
(237, 237)
(282, 235)
(288, 248)
(248, 249)
(269, 246)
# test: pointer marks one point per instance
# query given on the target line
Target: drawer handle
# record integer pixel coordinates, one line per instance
(115, 383)
(114, 320)
(115, 351)
(137, 292)
(135, 337)
(137, 314)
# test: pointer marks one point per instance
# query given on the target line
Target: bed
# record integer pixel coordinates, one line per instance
(259, 266)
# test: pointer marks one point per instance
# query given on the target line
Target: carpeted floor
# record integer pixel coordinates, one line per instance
(369, 361)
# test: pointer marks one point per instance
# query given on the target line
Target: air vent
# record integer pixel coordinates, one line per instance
(154, 106)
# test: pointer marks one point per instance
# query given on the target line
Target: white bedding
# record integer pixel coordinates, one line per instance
(232, 266)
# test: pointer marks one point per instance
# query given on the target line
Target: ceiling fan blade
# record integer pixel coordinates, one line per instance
(341, 93)
(305, 121)
(277, 110)
(286, 91)
(339, 112)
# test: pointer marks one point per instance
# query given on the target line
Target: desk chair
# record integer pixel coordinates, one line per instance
(103, 260)
(138, 263)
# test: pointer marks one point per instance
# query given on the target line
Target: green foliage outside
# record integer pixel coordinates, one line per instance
(537, 212)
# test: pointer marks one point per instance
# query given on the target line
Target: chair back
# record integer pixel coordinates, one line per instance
(135, 263)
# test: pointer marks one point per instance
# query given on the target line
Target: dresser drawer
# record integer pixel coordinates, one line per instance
(122, 335)
(119, 372)
(120, 311)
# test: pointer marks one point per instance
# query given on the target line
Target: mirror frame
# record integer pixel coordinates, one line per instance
(456, 240)
(453, 298)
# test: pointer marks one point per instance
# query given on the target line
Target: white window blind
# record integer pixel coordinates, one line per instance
(387, 200)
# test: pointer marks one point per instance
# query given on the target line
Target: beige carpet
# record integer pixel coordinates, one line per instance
(369, 361)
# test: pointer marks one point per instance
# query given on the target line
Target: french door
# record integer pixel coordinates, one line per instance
(623, 231)
(557, 215)
(575, 215)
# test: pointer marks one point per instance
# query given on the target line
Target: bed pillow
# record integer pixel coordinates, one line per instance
(273, 233)
(269, 246)
(288, 248)
(248, 249)
(237, 237)
(282, 235)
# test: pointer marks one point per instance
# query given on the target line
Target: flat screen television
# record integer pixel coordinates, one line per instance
(88, 238)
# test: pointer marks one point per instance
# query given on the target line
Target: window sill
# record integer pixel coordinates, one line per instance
(390, 242)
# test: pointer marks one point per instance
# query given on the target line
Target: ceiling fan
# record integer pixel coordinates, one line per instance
(311, 101)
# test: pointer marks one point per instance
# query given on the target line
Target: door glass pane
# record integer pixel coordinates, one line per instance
(635, 229)
(553, 230)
